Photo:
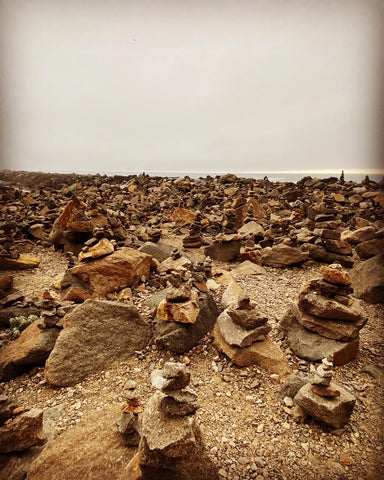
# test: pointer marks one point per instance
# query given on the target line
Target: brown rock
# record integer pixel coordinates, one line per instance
(368, 280)
(282, 256)
(25, 261)
(181, 312)
(182, 216)
(266, 354)
(360, 235)
(236, 335)
(102, 248)
(321, 306)
(105, 275)
(30, 349)
(334, 273)
(24, 431)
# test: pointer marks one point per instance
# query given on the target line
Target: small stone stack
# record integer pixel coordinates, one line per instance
(129, 424)
(324, 400)
(331, 317)
(242, 334)
(171, 446)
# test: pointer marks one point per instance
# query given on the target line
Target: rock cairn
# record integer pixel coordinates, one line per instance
(326, 319)
(323, 399)
(242, 334)
(171, 446)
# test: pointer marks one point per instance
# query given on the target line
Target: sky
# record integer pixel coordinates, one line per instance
(191, 86)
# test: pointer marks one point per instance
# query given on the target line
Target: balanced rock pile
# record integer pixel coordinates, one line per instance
(171, 445)
(326, 319)
(324, 400)
(242, 334)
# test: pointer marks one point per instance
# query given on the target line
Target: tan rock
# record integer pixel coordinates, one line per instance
(91, 449)
(171, 264)
(102, 248)
(181, 312)
(182, 216)
(25, 261)
(24, 431)
(334, 273)
(267, 354)
(105, 275)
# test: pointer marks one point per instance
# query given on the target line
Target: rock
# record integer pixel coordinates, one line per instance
(282, 255)
(160, 250)
(24, 431)
(247, 268)
(174, 376)
(313, 347)
(247, 319)
(370, 248)
(321, 254)
(232, 296)
(90, 449)
(180, 311)
(95, 334)
(368, 280)
(129, 427)
(338, 246)
(182, 216)
(102, 248)
(180, 337)
(333, 412)
(238, 336)
(334, 273)
(357, 236)
(225, 248)
(37, 230)
(251, 229)
(324, 307)
(292, 385)
(104, 275)
(266, 354)
(25, 261)
(174, 264)
(30, 349)
(180, 403)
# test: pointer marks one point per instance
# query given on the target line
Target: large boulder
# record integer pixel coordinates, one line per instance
(90, 450)
(181, 337)
(368, 280)
(24, 431)
(29, 350)
(95, 334)
(124, 267)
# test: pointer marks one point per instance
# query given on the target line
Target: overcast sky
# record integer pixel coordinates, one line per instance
(210, 86)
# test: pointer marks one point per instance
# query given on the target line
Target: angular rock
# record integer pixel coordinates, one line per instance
(251, 229)
(248, 319)
(95, 334)
(102, 248)
(181, 312)
(89, 450)
(174, 264)
(313, 347)
(225, 248)
(233, 296)
(324, 307)
(24, 431)
(30, 349)
(370, 248)
(334, 273)
(25, 261)
(368, 280)
(180, 403)
(182, 216)
(282, 255)
(238, 336)
(266, 354)
(160, 250)
(247, 268)
(360, 235)
(332, 412)
(321, 254)
(181, 337)
(105, 275)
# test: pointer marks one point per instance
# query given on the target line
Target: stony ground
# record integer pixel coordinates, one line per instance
(248, 430)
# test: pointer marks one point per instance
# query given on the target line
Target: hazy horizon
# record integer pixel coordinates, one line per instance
(220, 86)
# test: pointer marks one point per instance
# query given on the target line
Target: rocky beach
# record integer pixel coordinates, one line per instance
(191, 328)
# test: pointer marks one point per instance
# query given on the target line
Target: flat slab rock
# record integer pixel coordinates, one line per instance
(266, 354)
(313, 347)
(95, 334)
(332, 412)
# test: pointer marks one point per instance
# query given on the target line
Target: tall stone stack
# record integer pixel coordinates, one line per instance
(171, 445)
(326, 319)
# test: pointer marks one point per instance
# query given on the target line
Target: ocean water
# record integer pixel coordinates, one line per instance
(272, 176)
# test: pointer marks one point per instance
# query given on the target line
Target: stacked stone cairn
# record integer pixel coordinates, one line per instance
(241, 332)
(326, 318)
(195, 238)
(129, 424)
(171, 445)
(323, 399)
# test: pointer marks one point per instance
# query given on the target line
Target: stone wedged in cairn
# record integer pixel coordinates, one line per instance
(171, 445)
(242, 334)
(325, 320)
(324, 400)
